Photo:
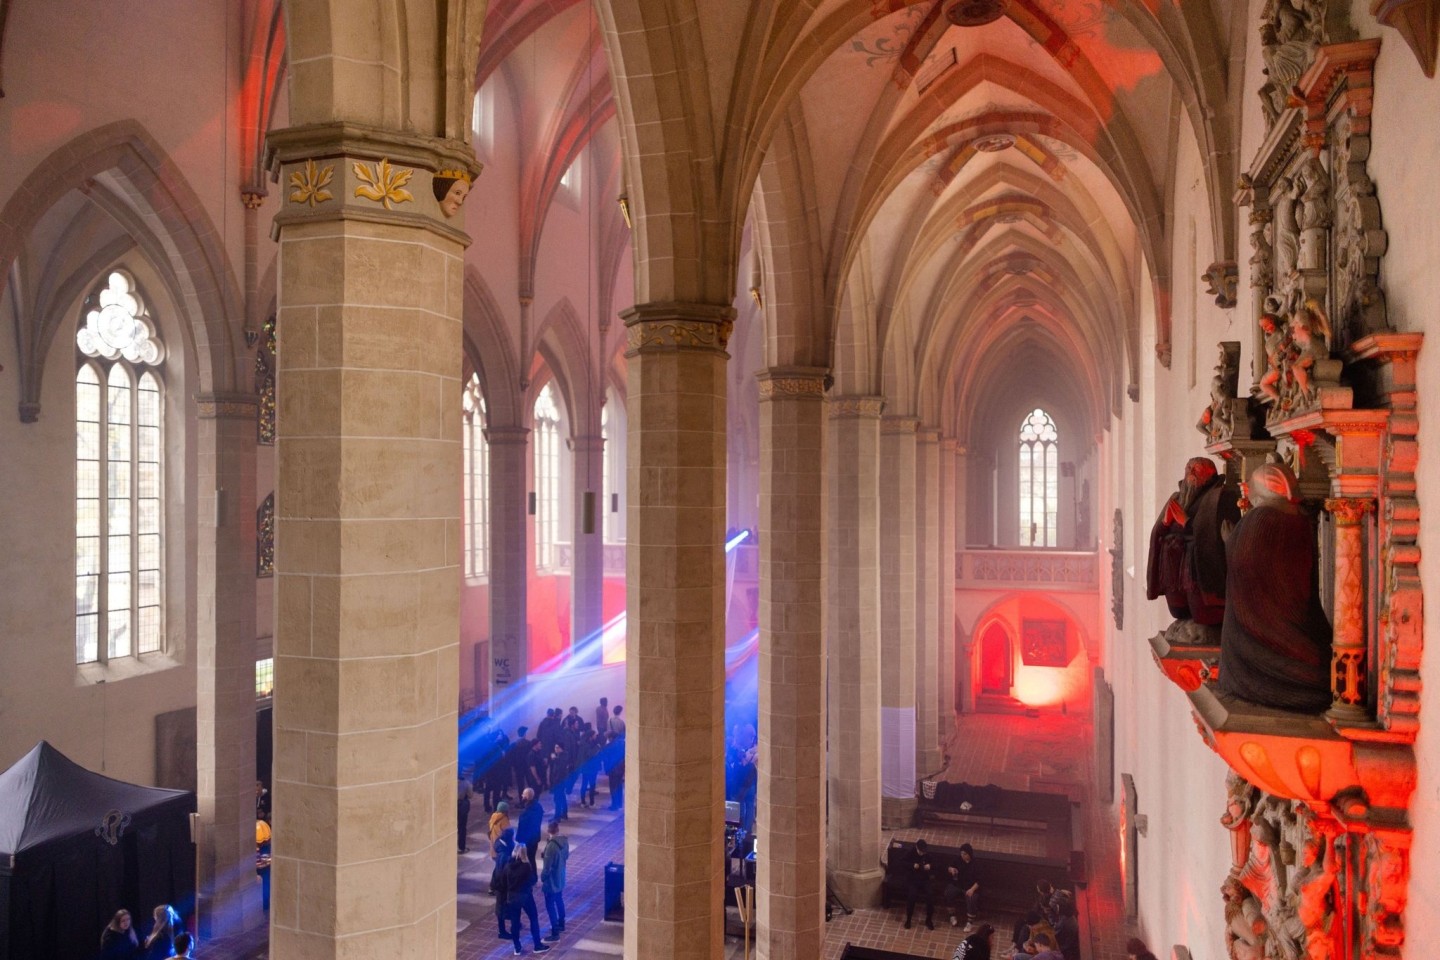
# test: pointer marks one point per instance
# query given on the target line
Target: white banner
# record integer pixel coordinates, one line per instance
(897, 752)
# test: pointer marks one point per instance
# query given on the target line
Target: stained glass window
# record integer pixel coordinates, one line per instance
(547, 476)
(1039, 480)
(264, 678)
(477, 482)
(265, 538)
(265, 384)
(119, 466)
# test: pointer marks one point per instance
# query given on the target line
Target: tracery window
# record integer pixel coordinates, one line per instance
(477, 482)
(547, 476)
(607, 526)
(1039, 480)
(119, 469)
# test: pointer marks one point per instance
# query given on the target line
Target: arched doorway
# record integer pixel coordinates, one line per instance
(996, 661)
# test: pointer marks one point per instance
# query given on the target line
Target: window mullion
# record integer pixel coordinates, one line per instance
(135, 514)
(102, 459)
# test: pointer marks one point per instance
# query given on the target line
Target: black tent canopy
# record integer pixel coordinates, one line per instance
(76, 846)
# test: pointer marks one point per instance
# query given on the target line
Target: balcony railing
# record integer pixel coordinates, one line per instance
(1027, 569)
(614, 559)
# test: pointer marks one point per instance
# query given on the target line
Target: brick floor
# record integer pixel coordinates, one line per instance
(1010, 750)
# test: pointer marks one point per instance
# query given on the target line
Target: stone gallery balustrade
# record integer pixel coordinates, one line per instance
(1027, 569)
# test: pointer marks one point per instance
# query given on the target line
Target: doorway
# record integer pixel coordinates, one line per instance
(996, 661)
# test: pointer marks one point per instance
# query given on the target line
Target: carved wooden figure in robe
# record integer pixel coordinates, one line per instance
(1275, 641)
(1187, 545)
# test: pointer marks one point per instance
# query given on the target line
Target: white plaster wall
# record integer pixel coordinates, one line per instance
(1406, 141)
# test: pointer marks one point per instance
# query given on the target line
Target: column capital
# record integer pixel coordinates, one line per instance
(677, 326)
(927, 435)
(226, 406)
(950, 445)
(855, 407)
(511, 436)
(1348, 511)
(792, 383)
(899, 425)
(352, 171)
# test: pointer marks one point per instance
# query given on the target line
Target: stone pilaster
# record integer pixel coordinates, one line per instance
(587, 572)
(927, 601)
(675, 637)
(897, 620)
(852, 645)
(790, 892)
(509, 567)
(949, 504)
(367, 548)
(225, 664)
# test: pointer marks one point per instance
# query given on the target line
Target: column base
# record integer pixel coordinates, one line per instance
(857, 890)
(897, 813)
(240, 910)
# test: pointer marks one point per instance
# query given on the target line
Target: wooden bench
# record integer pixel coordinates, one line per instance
(1007, 880)
(992, 806)
(853, 952)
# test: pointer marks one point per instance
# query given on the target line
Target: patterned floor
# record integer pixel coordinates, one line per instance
(1050, 753)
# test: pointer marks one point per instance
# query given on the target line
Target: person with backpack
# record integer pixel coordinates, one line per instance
(552, 879)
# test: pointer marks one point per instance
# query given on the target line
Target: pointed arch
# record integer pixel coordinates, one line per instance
(490, 350)
(121, 167)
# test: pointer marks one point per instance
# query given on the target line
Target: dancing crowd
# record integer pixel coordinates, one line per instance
(566, 757)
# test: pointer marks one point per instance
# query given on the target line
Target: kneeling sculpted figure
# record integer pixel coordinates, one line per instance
(1275, 641)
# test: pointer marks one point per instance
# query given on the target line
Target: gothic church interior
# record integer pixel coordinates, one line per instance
(373, 364)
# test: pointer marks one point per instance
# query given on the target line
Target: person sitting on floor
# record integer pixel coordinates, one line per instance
(1136, 950)
(976, 946)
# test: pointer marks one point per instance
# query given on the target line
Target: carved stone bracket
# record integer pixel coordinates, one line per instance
(224, 406)
(1221, 279)
(1418, 22)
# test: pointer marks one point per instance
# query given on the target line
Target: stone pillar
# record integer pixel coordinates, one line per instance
(587, 571)
(790, 883)
(897, 620)
(509, 570)
(960, 678)
(928, 679)
(675, 636)
(949, 504)
(852, 645)
(225, 665)
(1348, 660)
(367, 548)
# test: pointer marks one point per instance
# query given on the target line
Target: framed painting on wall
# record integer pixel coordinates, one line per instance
(1042, 643)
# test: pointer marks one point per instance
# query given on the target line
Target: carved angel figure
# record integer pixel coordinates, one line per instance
(1310, 332)
(1277, 349)
(1245, 927)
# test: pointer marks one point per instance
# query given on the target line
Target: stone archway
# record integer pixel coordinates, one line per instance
(996, 676)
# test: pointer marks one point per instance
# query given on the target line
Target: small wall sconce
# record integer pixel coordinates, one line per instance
(624, 201)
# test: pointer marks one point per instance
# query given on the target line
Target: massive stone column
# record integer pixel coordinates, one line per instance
(927, 601)
(790, 890)
(897, 620)
(852, 645)
(225, 665)
(587, 570)
(949, 503)
(675, 638)
(509, 569)
(368, 544)
(961, 678)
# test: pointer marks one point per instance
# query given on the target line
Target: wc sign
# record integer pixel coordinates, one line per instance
(501, 661)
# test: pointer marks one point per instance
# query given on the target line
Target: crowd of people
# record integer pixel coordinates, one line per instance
(566, 757)
(167, 937)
